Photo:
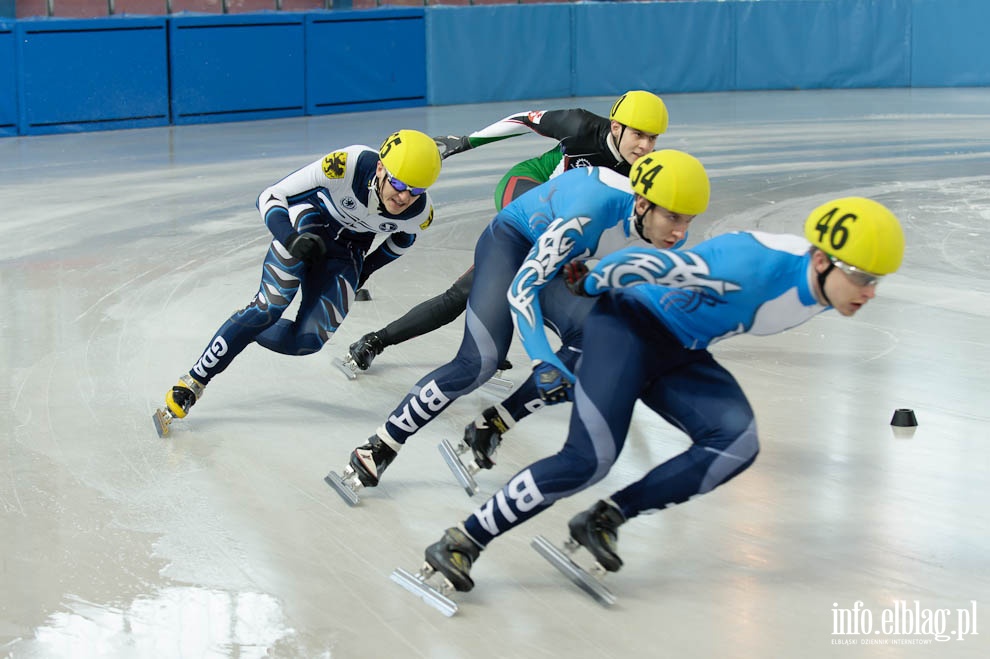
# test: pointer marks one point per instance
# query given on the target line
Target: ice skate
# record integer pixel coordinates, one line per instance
(177, 403)
(595, 529)
(360, 354)
(481, 438)
(498, 384)
(366, 465)
(447, 569)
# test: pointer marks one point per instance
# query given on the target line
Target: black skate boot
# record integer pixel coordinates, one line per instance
(596, 529)
(370, 460)
(504, 365)
(364, 350)
(453, 557)
(484, 435)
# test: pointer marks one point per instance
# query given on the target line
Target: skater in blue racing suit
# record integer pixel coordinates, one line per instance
(585, 213)
(647, 339)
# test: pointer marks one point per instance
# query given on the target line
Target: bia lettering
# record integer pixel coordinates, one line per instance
(429, 402)
(211, 357)
(524, 496)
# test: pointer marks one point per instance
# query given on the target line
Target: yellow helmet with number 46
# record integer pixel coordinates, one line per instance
(412, 157)
(672, 179)
(858, 231)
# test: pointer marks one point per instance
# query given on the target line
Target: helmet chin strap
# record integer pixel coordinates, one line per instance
(640, 218)
(821, 281)
(375, 188)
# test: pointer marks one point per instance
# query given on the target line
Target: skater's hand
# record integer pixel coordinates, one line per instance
(575, 273)
(554, 385)
(451, 144)
(307, 247)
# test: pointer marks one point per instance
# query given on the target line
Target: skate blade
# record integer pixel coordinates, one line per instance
(344, 368)
(418, 586)
(498, 385)
(461, 473)
(573, 571)
(162, 419)
(345, 491)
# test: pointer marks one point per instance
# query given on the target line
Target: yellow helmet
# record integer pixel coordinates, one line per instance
(672, 179)
(642, 111)
(859, 232)
(412, 157)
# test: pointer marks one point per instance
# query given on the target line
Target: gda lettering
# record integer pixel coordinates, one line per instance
(211, 357)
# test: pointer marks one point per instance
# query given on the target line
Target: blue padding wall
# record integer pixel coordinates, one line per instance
(8, 80)
(500, 53)
(677, 46)
(357, 60)
(91, 74)
(227, 68)
(950, 43)
(841, 43)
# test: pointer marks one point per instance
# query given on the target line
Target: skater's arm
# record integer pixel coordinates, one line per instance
(557, 124)
(562, 241)
(392, 248)
(273, 203)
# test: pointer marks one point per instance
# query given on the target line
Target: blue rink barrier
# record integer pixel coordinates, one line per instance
(949, 43)
(91, 74)
(60, 75)
(361, 60)
(8, 80)
(237, 67)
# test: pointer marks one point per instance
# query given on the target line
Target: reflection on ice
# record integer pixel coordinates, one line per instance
(177, 622)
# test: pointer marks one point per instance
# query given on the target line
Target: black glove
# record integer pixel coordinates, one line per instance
(307, 247)
(575, 272)
(451, 144)
(552, 384)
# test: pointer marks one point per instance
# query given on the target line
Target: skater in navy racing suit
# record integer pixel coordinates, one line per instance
(585, 213)
(647, 339)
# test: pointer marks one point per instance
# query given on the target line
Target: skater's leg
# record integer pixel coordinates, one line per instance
(327, 294)
(428, 316)
(564, 313)
(487, 335)
(599, 422)
(280, 280)
(705, 401)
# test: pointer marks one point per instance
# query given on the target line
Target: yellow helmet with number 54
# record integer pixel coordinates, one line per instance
(672, 179)
(412, 157)
(859, 232)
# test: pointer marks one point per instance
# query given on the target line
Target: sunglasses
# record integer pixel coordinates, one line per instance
(857, 276)
(402, 187)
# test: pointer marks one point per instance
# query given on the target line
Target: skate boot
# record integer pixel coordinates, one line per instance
(481, 438)
(447, 568)
(484, 435)
(597, 530)
(178, 401)
(364, 469)
(360, 354)
(452, 556)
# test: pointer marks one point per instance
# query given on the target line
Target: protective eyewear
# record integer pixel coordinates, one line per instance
(857, 276)
(402, 187)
